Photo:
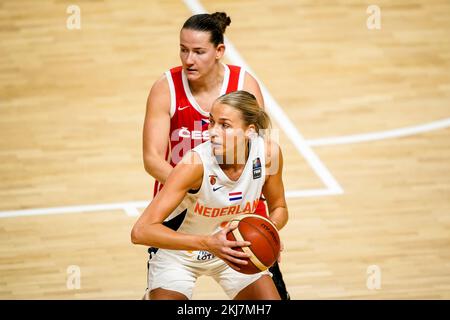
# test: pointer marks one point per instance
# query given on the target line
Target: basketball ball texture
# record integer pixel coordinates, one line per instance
(264, 238)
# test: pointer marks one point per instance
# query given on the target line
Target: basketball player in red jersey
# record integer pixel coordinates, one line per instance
(179, 102)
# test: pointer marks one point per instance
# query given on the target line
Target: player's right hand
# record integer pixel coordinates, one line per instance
(220, 246)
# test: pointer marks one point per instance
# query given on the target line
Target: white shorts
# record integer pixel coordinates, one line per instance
(178, 270)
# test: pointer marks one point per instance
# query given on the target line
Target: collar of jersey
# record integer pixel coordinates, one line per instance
(187, 89)
(224, 177)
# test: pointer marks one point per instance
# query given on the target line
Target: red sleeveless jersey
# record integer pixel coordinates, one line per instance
(188, 120)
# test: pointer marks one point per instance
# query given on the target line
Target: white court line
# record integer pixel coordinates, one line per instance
(76, 209)
(396, 133)
(302, 145)
(277, 113)
(130, 208)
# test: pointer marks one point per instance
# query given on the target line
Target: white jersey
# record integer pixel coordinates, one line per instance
(219, 198)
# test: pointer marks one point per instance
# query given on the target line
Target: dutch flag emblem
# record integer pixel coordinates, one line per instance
(233, 196)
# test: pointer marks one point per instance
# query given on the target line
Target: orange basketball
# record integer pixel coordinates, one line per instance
(264, 238)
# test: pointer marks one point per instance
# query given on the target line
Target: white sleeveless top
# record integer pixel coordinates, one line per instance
(219, 198)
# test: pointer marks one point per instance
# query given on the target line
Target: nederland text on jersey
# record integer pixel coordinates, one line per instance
(249, 207)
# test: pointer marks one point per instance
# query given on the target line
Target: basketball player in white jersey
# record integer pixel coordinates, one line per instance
(179, 103)
(195, 249)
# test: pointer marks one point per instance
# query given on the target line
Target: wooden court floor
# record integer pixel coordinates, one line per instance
(72, 104)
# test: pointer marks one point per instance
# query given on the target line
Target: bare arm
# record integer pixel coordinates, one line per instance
(150, 231)
(273, 189)
(252, 86)
(156, 131)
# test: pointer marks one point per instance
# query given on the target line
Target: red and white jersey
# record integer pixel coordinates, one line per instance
(189, 121)
(219, 198)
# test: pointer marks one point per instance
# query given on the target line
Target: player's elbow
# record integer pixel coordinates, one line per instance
(148, 165)
(136, 235)
(143, 234)
(151, 163)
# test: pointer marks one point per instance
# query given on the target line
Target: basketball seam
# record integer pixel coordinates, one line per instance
(268, 240)
(253, 258)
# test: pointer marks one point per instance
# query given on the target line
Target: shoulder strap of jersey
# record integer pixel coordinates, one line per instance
(176, 87)
(236, 80)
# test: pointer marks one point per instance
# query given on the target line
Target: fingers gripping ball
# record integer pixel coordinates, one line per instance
(264, 238)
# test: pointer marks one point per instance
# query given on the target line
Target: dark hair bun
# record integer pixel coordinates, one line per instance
(215, 23)
(222, 20)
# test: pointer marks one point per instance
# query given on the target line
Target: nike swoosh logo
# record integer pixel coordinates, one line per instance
(215, 189)
(182, 108)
